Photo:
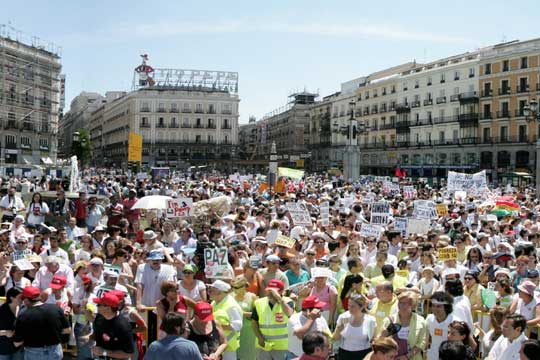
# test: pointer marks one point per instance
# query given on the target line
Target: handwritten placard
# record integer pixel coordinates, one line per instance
(447, 253)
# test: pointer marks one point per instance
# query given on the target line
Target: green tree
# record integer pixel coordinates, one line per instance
(82, 146)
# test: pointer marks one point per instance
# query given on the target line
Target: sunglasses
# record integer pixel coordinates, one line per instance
(370, 241)
(310, 254)
(21, 242)
(187, 272)
(467, 278)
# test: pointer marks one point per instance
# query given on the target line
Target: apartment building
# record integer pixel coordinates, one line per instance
(178, 126)
(31, 95)
(509, 80)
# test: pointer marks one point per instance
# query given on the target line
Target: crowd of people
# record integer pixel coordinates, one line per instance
(310, 272)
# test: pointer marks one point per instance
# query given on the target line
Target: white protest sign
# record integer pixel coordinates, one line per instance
(380, 211)
(216, 263)
(400, 224)
(468, 182)
(285, 241)
(391, 188)
(179, 207)
(320, 272)
(409, 192)
(369, 199)
(371, 230)
(325, 213)
(418, 226)
(425, 209)
(23, 264)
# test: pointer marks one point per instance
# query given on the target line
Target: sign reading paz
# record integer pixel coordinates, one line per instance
(179, 207)
(216, 264)
(447, 253)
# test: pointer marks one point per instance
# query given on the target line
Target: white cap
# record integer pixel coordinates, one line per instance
(221, 286)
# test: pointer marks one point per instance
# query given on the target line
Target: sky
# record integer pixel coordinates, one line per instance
(278, 47)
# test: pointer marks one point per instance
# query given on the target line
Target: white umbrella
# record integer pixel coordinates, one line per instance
(152, 202)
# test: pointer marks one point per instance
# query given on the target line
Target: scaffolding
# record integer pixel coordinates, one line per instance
(31, 95)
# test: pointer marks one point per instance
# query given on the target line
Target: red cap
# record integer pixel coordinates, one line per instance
(108, 299)
(58, 282)
(119, 294)
(203, 310)
(86, 279)
(312, 302)
(276, 284)
(30, 292)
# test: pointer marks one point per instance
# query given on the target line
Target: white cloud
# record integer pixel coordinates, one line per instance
(363, 29)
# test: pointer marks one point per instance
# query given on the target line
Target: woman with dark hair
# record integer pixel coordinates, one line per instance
(352, 286)
(474, 259)
(8, 314)
(109, 249)
(36, 211)
(473, 290)
(460, 331)
(438, 321)
(383, 349)
(172, 301)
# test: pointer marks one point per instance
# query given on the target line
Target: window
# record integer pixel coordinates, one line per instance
(25, 140)
(443, 78)
(524, 62)
(393, 89)
(441, 136)
(416, 84)
(487, 69)
(161, 107)
(522, 133)
(505, 65)
(504, 133)
(198, 139)
(44, 142)
(456, 75)
(405, 86)
(471, 72)
(366, 95)
(198, 108)
(10, 139)
(145, 107)
(374, 93)
(487, 134)
(429, 81)
(211, 109)
(455, 134)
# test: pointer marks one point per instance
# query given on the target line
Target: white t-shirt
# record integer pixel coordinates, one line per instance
(356, 338)
(36, 213)
(195, 293)
(438, 333)
(151, 280)
(296, 321)
(59, 253)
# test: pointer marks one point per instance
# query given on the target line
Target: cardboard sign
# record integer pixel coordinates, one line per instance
(255, 262)
(400, 224)
(23, 264)
(179, 207)
(424, 209)
(285, 241)
(216, 263)
(320, 272)
(442, 209)
(418, 226)
(448, 253)
(371, 230)
(301, 218)
(390, 188)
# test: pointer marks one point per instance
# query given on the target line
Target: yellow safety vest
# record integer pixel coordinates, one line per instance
(221, 315)
(272, 324)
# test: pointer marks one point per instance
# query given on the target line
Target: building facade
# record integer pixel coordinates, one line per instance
(509, 80)
(78, 117)
(178, 126)
(31, 95)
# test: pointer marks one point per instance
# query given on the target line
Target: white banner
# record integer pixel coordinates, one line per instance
(418, 226)
(325, 213)
(400, 224)
(471, 183)
(371, 230)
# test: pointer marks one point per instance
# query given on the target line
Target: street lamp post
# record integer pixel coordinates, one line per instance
(351, 157)
(532, 114)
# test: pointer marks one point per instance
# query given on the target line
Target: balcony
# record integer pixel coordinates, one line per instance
(160, 125)
(416, 86)
(374, 110)
(468, 97)
(366, 96)
(387, 126)
(445, 119)
(161, 110)
(175, 110)
(415, 104)
(211, 111)
(454, 97)
(174, 126)
(186, 111)
(393, 91)
(428, 102)
(442, 81)
(383, 108)
(186, 126)
(503, 114)
(486, 93)
(27, 126)
(522, 89)
(429, 83)
(441, 100)
(468, 120)
(470, 141)
(199, 126)
(199, 111)
(383, 93)
(375, 95)
(145, 109)
(226, 127)
(211, 126)
(456, 78)
(486, 116)
(504, 91)
(144, 125)
(519, 113)
(403, 144)
(226, 112)
(403, 108)
(366, 111)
